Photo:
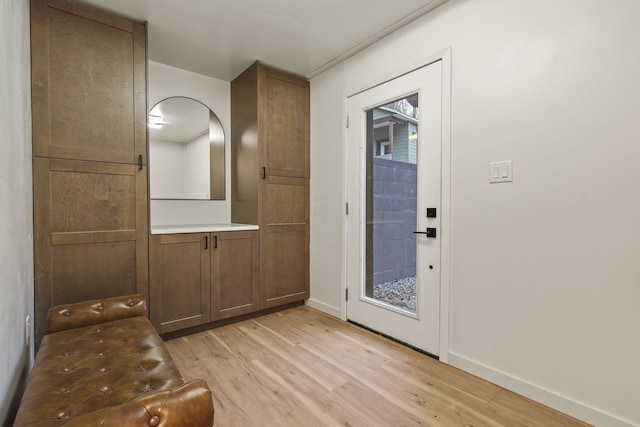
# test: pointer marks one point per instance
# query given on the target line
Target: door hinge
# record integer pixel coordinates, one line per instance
(347, 122)
(347, 208)
(346, 294)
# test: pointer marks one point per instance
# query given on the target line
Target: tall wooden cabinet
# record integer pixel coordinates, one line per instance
(270, 176)
(201, 277)
(89, 155)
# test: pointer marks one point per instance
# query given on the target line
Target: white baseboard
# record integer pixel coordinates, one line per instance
(540, 394)
(325, 308)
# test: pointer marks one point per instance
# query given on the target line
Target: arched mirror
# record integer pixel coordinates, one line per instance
(186, 151)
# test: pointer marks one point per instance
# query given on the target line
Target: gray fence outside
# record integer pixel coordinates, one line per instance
(394, 215)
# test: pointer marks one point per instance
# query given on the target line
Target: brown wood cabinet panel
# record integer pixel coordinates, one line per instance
(269, 135)
(270, 169)
(88, 84)
(244, 147)
(283, 123)
(284, 237)
(235, 276)
(74, 268)
(180, 277)
(82, 201)
(285, 201)
(90, 232)
(284, 264)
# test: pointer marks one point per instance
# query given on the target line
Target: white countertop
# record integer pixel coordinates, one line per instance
(200, 228)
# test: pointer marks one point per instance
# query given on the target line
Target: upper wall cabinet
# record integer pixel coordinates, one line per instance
(285, 123)
(269, 135)
(88, 83)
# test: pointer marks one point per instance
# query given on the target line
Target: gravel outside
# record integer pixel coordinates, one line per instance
(400, 293)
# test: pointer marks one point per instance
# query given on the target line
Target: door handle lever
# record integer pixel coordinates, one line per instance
(431, 232)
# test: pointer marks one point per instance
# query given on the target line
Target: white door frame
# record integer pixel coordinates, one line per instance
(443, 55)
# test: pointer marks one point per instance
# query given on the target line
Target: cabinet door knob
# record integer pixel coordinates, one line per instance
(215, 242)
(140, 162)
(264, 172)
(206, 242)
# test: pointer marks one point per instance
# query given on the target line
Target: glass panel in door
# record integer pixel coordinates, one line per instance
(391, 203)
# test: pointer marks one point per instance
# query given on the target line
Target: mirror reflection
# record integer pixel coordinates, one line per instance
(186, 151)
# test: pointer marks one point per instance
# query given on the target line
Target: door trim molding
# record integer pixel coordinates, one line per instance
(445, 220)
(443, 55)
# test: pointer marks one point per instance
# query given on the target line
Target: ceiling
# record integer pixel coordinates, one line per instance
(178, 119)
(221, 38)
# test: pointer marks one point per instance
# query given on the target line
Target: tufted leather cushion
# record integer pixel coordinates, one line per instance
(179, 407)
(87, 313)
(118, 370)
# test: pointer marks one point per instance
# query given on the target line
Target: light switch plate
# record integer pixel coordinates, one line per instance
(501, 171)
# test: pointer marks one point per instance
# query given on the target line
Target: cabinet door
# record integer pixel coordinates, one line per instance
(179, 281)
(90, 231)
(284, 265)
(88, 84)
(284, 124)
(284, 241)
(235, 273)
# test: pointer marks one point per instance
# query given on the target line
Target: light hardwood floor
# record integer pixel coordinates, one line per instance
(300, 367)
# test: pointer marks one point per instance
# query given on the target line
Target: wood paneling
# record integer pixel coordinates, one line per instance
(87, 240)
(90, 90)
(284, 124)
(89, 84)
(235, 278)
(244, 147)
(284, 234)
(284, 265)
(180, 278)
(285, 201)
(302, 367)
(140, 95)
(83, 272)
(89, 131)
(83, 201)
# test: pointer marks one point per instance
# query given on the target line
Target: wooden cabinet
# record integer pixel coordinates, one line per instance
(89, 155)
(283, 123)
(88, 84)
(270, 176)
(235, 278)
(284, 236)
(197, 278)
(180, 271)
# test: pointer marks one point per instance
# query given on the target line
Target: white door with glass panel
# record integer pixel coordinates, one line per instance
(394, 144)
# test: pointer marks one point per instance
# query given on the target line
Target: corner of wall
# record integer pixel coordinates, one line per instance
(16, 216)
(565, 404)
(325, 308)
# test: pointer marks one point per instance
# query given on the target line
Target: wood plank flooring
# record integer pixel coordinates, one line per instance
(301, 367)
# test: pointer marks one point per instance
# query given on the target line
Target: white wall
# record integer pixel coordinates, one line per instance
(16, 219)
(167, 176)
(545, 277)
(197, 179)
(166, 81)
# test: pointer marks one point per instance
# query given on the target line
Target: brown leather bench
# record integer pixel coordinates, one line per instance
(103, 364)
